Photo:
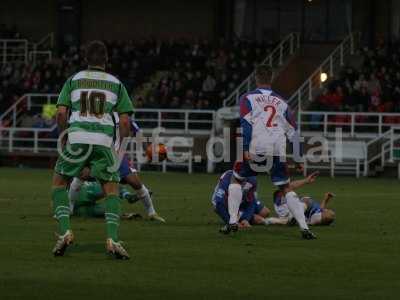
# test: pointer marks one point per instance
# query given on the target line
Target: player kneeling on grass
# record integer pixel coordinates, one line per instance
(251, 210)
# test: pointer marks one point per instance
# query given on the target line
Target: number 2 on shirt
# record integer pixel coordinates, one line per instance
(272, 110)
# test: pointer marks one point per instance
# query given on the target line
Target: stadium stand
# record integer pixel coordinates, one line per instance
(374, 86)
(196, 71)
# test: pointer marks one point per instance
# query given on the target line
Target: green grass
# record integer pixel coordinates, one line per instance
(357, 258)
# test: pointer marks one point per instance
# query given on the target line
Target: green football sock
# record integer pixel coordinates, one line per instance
(113, 213)
(61, 208)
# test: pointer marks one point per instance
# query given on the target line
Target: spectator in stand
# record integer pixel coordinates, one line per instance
(362, 99)
(375, 87)
(200, 74)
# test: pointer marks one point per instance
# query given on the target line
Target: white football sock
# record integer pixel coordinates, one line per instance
(274, 221)
(296, 208)
(74, 189)
(235, 194)
(145, 197)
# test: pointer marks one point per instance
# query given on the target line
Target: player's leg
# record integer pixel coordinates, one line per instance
(241, 170)
(280, 178)
(74, 190)
(129, 176)
(68, 166)
(104, 169)
(143, 195)
(221, 210)
(260, 213)
(235, 194)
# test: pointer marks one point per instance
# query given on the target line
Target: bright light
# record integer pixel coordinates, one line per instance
(324, 77)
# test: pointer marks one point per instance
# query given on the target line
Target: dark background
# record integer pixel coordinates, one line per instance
(74, 21)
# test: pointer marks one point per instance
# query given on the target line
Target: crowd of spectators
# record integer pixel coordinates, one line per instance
(198, 74)
(374, 87)
(201, 74)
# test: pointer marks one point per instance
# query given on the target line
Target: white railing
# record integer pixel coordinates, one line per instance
(194, 122)
(13, 51)
(382, 149)
(22, 51)
(45, 42)
(28, 139)
(10, 116)
(331, 66)
(24, 103)
(281, 53)
(34, 55)
(175, 121)
(352, 124)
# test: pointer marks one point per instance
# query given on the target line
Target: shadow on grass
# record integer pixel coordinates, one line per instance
(95, 248)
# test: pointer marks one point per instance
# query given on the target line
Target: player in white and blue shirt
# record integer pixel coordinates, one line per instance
(315, 213)
(129, 175)
(250, 206)
(267, 123)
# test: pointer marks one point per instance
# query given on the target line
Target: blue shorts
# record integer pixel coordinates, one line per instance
(279, 171)
(125, 169)
(258, 206)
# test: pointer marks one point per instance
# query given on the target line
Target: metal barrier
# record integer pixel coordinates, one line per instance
(28, 139)
(352, 124)
(34, 55)
(286, 48)
(22, 51)
(26, 103)
(331, 66)
(174, 121)
(13, 51)
(383, 149)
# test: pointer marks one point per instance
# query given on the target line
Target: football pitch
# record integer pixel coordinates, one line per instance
(356, 258)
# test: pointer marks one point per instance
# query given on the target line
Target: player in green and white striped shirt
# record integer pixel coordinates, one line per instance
(89, 98)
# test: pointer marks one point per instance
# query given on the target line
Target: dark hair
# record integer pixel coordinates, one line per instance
(96, 53)
(263, 74)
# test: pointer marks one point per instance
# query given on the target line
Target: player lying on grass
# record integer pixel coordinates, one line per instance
(128, 175)
(85, 200)
(251, 210)
(316, 213)
(95, 193)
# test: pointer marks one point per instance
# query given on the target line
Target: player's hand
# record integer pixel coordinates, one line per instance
(329, 195)
(85, 174)
(300, 167)
(246, 155)
(244, 224)
(64, 141)
(312, 177)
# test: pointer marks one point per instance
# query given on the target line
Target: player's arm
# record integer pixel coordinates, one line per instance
(302, 182)
(327, 197)
(124, 108)
(293, 136)
(124, 126)
(246, 216)
(63, 105)
(247, 128)
(62, 118)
